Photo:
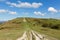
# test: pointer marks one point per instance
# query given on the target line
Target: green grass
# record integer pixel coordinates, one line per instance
(10, 34)
(47, 31)
(15, 28)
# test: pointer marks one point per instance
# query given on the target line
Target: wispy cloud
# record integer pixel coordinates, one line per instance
(3, 11)
(7, 11)
(25, 4)
(38, 13)
(11, 12)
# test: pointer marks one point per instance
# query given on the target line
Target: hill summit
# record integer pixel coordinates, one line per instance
(39, 22)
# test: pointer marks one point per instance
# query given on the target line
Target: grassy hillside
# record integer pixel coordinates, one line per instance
(13, 29)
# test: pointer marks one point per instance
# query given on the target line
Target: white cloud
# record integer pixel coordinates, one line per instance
(36, 5)
(3, 11)
(11, 4)
(25, 4)
(7, 11)
(38, 13)
(11, 12)
(52, 9)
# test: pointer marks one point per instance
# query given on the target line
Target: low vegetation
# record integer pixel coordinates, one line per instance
(14, 28)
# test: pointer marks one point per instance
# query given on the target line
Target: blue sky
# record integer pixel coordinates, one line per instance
(10, 9)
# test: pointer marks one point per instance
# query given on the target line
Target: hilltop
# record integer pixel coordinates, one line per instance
(39, 22)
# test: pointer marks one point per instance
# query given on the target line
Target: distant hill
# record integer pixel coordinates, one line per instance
(2, 22)
(47, 23)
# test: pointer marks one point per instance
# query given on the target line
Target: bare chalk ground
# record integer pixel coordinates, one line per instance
(33, 35)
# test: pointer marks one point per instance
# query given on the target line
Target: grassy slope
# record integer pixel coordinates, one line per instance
(15, 28)
(50, 32)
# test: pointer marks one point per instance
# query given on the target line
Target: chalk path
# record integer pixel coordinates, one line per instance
(32, 34)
